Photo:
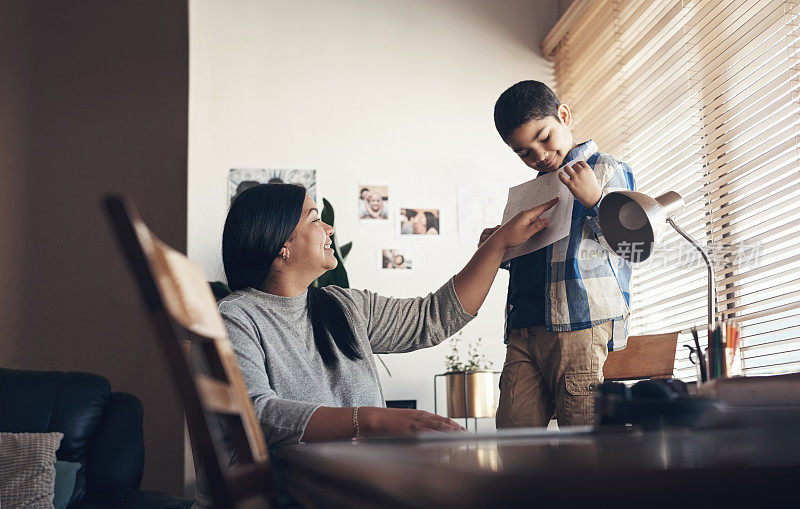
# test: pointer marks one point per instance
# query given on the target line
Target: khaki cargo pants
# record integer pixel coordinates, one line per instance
(551, 372)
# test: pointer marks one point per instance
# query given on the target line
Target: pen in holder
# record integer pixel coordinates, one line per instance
(724, 350)
(733, 349)
(717, 353)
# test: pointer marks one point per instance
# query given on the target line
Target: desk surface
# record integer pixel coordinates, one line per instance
(570, 469)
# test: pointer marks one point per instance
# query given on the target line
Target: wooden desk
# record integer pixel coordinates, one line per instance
(733, 467)
(754, 391)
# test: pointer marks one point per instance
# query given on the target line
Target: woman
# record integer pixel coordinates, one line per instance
(428, 224)
(306, 352)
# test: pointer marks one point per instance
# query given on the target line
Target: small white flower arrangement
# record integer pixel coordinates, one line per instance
(475, 361)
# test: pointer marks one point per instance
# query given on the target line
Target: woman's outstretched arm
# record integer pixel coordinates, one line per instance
(475, 279)
(406, 324)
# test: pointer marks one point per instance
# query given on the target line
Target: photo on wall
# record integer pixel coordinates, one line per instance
(373, 202)
(419, 221)
(395, 259)
(240, 179)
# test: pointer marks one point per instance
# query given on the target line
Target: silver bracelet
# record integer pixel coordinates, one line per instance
(356, 431)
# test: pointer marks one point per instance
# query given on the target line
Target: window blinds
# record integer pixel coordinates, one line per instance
(701, 97)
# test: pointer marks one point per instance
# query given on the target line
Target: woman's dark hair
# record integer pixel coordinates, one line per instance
(521, 103)
(432, 221)
(260, 221)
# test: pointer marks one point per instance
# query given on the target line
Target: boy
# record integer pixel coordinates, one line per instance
(568, 302)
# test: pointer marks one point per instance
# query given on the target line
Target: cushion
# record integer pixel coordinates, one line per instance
(54, 401)
(27, 469)
(65, 482)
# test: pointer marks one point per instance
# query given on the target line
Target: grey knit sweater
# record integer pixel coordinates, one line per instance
(285, 376)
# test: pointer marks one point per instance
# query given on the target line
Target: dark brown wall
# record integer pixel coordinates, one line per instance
(94, 99)
(15, 113)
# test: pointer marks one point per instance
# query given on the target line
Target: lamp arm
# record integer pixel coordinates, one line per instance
(709, 266)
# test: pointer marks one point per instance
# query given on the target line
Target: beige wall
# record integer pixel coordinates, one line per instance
(94, 99)
(397, 92)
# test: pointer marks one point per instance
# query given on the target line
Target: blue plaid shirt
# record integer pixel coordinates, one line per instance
(586, 284)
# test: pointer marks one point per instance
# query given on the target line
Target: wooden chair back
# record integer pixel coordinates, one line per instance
(650, 356)
(182, 308)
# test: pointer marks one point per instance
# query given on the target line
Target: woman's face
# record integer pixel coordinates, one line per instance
(420, 223)
(310, 244)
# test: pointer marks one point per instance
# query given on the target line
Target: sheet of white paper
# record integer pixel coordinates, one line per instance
(535, 192)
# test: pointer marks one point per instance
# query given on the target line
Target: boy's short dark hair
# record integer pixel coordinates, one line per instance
(521, 103)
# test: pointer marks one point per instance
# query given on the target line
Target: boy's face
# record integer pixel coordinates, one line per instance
(543, 143)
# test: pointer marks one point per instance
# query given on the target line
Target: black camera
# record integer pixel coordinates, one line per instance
(651, 404)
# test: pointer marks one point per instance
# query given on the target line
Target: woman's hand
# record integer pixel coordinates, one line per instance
(582, 183)
(522, 226)
(386, 422)
(473, 282)
(336, 423)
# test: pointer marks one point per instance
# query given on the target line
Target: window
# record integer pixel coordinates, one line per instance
(701, 97)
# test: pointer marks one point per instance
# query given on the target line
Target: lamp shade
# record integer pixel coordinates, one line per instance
(632, 222)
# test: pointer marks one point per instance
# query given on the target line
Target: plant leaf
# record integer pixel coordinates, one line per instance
(345, 250)
(327, 214)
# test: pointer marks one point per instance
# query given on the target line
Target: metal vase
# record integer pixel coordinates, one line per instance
(479, 394)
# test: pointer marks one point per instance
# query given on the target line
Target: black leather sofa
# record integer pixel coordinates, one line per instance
(102, 430)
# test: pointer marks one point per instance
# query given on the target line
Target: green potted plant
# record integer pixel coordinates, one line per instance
(473, 375)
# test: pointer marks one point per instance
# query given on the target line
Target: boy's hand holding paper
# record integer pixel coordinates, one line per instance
(579, 183)
(582, 183)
